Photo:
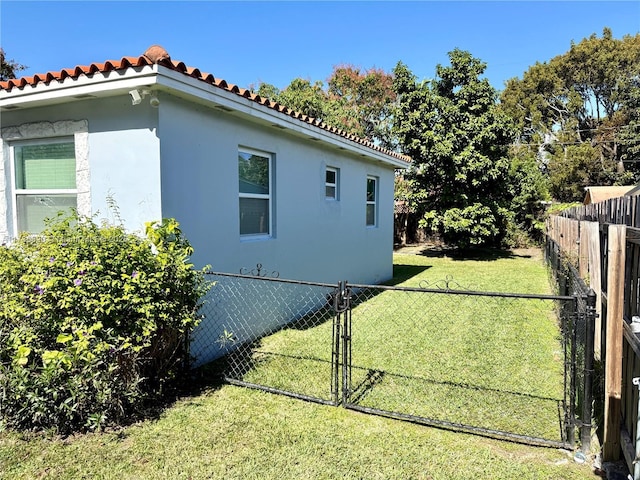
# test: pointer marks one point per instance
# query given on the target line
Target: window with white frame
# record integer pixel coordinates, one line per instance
(254, 173)
(44, 174)
(372, 201)
(331, 183)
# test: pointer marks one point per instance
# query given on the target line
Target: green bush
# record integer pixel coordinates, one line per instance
(93, 321)
(476, 225)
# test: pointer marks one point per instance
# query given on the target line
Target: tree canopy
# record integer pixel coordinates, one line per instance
(8, 68)
(357, 101)
(459, 140)
(579, 113)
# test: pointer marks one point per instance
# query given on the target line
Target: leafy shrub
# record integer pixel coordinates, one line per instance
(93, 321)
(473, 226)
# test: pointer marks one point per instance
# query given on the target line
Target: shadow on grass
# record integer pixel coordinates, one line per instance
(189, 384)
(402, 273)
(477, 254)
(516, 416)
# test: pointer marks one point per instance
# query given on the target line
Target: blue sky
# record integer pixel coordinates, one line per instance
(251, 42)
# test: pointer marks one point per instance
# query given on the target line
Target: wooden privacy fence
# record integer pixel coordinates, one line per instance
(607, 255)
(618, 211)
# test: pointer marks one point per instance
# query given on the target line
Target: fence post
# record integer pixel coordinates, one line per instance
(592, 229)
(345, 307)
(613, 353)
(335, 350)
(590, 319)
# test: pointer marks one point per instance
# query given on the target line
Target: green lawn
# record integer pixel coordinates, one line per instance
(483, 361)
(229, 432)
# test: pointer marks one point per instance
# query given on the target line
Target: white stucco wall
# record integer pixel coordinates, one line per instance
(191, 173)
(122, 156)
(314, 239)
(181, 160)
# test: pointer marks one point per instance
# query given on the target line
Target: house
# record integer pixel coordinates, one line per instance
(249, 180)
(600, 194)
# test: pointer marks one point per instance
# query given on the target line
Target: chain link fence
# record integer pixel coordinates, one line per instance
(500, 365)
(583, 381)
(273, 333)
(492, 364)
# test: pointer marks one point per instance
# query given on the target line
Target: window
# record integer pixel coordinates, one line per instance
(372, 201)
(254, 173)
(44, 181)
(331, 183)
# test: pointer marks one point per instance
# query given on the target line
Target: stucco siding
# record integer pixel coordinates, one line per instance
(181, 160)
(122, 162)
(313, 239)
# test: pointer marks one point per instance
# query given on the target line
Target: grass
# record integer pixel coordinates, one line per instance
(485, 362)
(230, 432)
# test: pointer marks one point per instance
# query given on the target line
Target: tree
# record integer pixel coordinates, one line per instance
(459, 140)
(529, 190)
(360, 102)
(8, 68)
(629, 133)
(577, 109)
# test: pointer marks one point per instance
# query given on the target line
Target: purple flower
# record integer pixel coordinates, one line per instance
(69, 263)
(52, 259)
(77, 282)
(94, 263)
(39, 289)
(82, 272)
(134, 274)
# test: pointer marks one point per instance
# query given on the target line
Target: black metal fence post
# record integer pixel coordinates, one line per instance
(573, 369)
(335, 352)
(585, 427)
(344, 309)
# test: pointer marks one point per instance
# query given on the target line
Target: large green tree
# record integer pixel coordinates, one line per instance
(459, 140)
(301, 95)
(578, 111)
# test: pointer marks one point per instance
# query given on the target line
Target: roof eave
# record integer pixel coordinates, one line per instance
(100, 84)
(203, 92)
(120, 82)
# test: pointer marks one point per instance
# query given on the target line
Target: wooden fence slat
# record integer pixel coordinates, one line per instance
(592, 232)
(614, 346)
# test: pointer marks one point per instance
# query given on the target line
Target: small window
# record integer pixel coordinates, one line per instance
(254, 173)
(331, 183)
(44, 182)
(372, 201)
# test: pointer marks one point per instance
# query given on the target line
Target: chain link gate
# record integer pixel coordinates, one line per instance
(370, 348)
(276, 335)
(389, 371)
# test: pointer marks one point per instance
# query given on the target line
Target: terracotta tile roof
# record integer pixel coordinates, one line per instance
(157, 55)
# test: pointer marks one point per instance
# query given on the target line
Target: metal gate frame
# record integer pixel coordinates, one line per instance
(585, 316)
(575, 369)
